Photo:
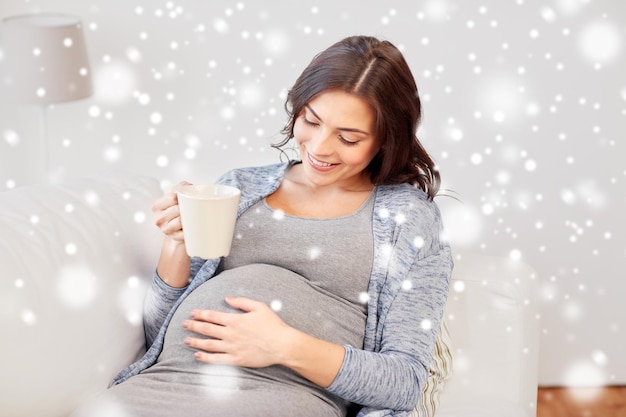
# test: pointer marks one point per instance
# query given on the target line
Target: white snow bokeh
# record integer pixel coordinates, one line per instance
(11, 137)
(221, 381)
(524, 113)
(585, 373)
(77, 284)
(114, 82)
(130, 300)
(600, 42)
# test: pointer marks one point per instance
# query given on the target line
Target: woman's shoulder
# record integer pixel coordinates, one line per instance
(412, 216)
(409, 207)
(254, 176)
(405, 198)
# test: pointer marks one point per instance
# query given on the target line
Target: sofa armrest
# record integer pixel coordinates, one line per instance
(493, 323)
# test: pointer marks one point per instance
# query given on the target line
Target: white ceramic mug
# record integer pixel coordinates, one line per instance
(208, 214)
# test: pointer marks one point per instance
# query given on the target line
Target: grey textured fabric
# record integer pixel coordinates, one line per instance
(407, 292)
(335, 255)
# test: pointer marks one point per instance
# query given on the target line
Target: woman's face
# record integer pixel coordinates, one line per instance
(335, 135)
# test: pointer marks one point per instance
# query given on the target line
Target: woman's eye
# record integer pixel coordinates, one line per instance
(308, 122)
(347, 142)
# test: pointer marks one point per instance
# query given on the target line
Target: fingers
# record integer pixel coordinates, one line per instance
(205, 328)
(211, 316)
(180, 185)
(168, 220)
(211, 351)
(165, 201)
(206, 345)
(168, 200)
(244, 304)
(216, 358)
(166, 213)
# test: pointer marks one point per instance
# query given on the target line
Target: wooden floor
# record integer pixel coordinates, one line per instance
(582, 402)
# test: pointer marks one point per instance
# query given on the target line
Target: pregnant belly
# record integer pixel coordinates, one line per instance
(291, 296)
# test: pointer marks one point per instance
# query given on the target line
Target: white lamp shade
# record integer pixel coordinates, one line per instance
(44, 59)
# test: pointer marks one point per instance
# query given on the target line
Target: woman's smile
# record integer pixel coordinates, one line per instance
(324, 166)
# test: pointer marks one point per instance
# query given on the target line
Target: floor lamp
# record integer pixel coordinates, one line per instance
(45, 62)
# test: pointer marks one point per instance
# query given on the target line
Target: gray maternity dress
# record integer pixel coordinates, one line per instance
(313, 272)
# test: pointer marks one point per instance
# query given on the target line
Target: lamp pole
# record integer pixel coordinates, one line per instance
(43, 141)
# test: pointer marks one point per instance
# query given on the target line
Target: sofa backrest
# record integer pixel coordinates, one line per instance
(75, 260)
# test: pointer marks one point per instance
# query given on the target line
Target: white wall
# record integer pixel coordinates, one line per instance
(525, 109)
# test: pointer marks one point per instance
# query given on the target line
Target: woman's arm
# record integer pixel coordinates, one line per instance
(159, 301)
(394, 376)
(174, 267)
(317, 360)
(174, 263)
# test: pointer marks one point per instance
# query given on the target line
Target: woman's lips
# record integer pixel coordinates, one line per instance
(320, 165)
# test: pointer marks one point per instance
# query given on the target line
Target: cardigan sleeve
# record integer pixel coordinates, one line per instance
(393, 377)
(159, 301)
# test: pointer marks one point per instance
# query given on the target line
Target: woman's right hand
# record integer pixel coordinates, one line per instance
(166, 215)
(173, 266)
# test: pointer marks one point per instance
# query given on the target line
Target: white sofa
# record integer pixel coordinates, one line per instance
(493, 318)
(76, 259)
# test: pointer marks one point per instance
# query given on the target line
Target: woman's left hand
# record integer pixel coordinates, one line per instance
(255, 339)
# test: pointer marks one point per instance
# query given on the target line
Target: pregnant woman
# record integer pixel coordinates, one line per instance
(334, 290)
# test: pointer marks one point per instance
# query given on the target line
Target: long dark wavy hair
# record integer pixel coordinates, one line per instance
(375, 71)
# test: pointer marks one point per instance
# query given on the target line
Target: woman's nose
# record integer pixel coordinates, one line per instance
(321, 143)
